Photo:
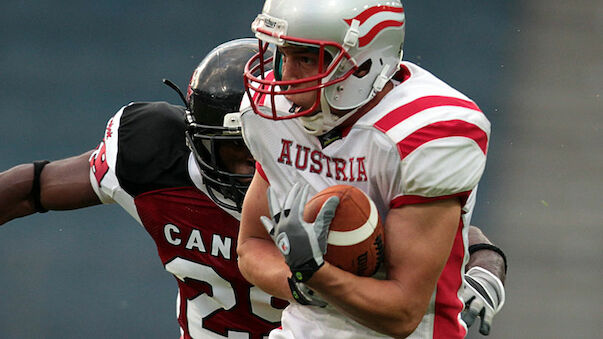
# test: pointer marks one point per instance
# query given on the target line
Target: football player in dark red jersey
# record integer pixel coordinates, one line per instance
(182, 173)
(186, 192)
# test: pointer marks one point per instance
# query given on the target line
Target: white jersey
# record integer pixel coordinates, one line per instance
(424, 141)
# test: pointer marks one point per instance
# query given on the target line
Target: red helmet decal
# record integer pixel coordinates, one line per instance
(373, 20)
(191, 84)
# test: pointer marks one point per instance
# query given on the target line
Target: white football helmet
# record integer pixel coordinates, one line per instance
(364, 39)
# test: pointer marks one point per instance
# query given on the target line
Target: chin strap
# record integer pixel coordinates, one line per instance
(380, 81)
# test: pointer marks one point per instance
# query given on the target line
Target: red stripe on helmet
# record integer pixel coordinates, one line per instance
(365, 15)
(368, 37)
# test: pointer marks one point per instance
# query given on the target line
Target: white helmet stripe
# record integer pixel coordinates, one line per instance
(375, 19)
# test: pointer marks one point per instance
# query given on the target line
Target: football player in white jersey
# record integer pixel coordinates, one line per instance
(185, 192)
(340, 107)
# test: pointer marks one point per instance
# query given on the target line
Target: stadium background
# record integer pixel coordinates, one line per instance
(534, 67)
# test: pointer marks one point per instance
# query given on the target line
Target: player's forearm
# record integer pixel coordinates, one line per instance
(486, 259)
(381, 305)
(263, 266)
(65, 184)
(15, 193)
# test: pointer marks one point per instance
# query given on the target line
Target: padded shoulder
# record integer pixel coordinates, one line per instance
(152, 152)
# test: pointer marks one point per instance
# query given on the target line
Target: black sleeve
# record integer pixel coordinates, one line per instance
(152, 152)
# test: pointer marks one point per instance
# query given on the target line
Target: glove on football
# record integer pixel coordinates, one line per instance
(302, 244)
(484, 296)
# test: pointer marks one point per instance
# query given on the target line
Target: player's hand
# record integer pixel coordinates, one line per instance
(484, 296)
(303, 244)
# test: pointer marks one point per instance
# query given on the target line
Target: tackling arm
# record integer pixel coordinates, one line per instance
(487, 259)
(484, 291)
(64, 185)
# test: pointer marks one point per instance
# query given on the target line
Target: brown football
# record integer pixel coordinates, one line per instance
(355, 240)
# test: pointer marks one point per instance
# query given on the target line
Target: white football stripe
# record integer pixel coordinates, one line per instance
(358, 235)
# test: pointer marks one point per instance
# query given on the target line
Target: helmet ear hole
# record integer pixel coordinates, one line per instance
(363, 69)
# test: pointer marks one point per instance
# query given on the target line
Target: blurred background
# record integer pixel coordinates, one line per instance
(534, 67)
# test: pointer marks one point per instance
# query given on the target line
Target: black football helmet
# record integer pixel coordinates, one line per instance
(213, 97)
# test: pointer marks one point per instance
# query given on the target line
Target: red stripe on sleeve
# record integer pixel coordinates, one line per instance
(417, 199)
(260, 171)
(406, 111)
(443, 129)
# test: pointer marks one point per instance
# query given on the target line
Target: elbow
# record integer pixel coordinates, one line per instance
(403, 330)
(242, 269)
(407, 329)
(405, 324)
(249, 261)
(241, 262)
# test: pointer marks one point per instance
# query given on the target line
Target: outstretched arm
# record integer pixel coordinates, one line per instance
(64, 185)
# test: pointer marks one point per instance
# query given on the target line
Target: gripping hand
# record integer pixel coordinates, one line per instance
(303, 244)
(484, 296)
